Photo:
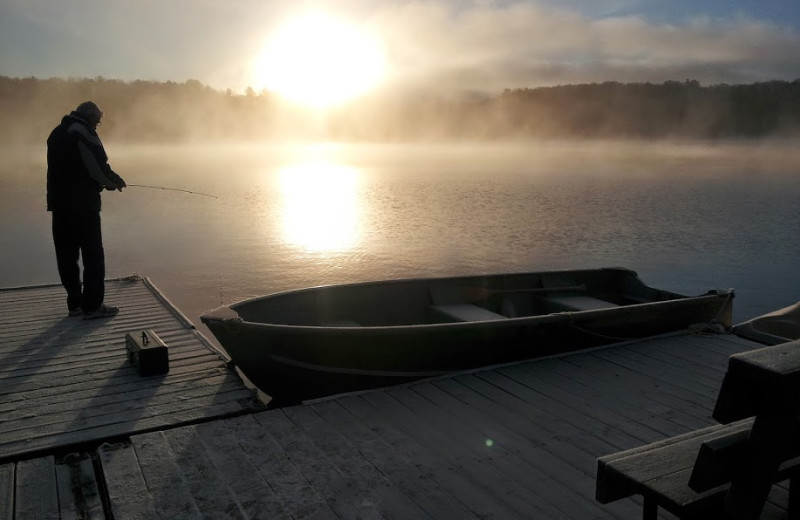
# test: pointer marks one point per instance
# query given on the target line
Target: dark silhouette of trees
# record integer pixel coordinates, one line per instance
(147, 111)
(142, 111)
(646, 110)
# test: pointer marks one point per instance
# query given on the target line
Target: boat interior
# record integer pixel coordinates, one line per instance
(452, 300)
(774, 328)
(458, 303)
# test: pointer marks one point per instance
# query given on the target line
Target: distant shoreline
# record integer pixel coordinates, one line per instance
(169, 112)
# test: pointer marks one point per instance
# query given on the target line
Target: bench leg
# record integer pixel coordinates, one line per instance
(769, 438)
(793, 513)
(650, 509)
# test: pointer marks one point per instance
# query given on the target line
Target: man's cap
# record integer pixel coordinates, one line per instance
(88, 110)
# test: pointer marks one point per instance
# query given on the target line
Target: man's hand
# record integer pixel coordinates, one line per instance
(118, 182)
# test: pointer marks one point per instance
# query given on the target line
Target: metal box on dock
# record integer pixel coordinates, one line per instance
(147, 352)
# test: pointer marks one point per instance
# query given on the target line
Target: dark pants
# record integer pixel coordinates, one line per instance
(78, 233)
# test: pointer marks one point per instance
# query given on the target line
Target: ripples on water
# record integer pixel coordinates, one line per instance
(688, 217)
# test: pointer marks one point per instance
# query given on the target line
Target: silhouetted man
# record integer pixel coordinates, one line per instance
(77, 171)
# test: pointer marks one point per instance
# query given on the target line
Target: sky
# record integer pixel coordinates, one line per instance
(470, 45)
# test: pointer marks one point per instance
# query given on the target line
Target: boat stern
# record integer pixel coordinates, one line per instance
(724, 316)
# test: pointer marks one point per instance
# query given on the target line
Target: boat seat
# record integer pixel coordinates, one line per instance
(465, 312)
(577, 302)
(341, 323)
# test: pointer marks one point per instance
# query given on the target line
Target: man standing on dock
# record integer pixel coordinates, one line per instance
(77, 171)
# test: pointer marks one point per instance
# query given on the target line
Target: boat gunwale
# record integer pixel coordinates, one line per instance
(504, 322)
(212, 314)
(427, 279)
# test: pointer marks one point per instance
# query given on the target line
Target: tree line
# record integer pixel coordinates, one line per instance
(148, 111)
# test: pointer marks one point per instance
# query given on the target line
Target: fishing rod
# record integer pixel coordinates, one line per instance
(171, 189)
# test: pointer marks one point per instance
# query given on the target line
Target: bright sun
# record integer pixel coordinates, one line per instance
(320, 60)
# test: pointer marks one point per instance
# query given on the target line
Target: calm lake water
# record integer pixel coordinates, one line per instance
(686, 217)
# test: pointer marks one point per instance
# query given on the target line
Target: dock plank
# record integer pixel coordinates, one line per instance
(368, 480)
(210, 489)
(703, 368)
(78, 492)
(561, 398)
(252, 492)
(298, 497)
(36, 490)
(127, 490)
(498, 477)
(662, 393)
(170, 493)
(342, 491)
(535, 468)
(555, 445)
(78, 388)
(186, 415)
(75, 381)
(463, 483)
(7, 491)
(416, 484)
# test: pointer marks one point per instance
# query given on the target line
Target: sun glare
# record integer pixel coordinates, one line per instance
(320, 206)
(319, 60)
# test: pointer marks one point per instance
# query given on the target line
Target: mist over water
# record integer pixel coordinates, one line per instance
(686, 217)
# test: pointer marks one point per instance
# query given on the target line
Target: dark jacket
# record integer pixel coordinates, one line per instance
(70, 187)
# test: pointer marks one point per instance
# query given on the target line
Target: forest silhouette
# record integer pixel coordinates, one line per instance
(159, 112)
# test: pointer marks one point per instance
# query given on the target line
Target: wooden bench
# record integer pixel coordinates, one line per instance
(727, 470)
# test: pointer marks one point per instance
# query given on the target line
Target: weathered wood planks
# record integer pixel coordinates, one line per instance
(512, 442)
(65, 381)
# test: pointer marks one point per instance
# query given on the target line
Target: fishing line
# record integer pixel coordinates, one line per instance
(171, 189)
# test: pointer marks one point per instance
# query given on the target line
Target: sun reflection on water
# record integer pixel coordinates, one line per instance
(321, 209)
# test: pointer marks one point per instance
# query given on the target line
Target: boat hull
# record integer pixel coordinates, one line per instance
(293, 362)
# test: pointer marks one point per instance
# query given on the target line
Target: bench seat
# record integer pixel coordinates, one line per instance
(660, 472)
(459, 312)
(577, 302)
(688, 475)
(341, 323)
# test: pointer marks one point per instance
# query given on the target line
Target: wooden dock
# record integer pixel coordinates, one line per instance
(518, 441)
(67, 381)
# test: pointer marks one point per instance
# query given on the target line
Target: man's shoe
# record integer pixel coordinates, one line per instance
(104, 311)
(77, 311)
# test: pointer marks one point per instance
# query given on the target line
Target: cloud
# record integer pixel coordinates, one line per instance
(528, 44)
(209, 40)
